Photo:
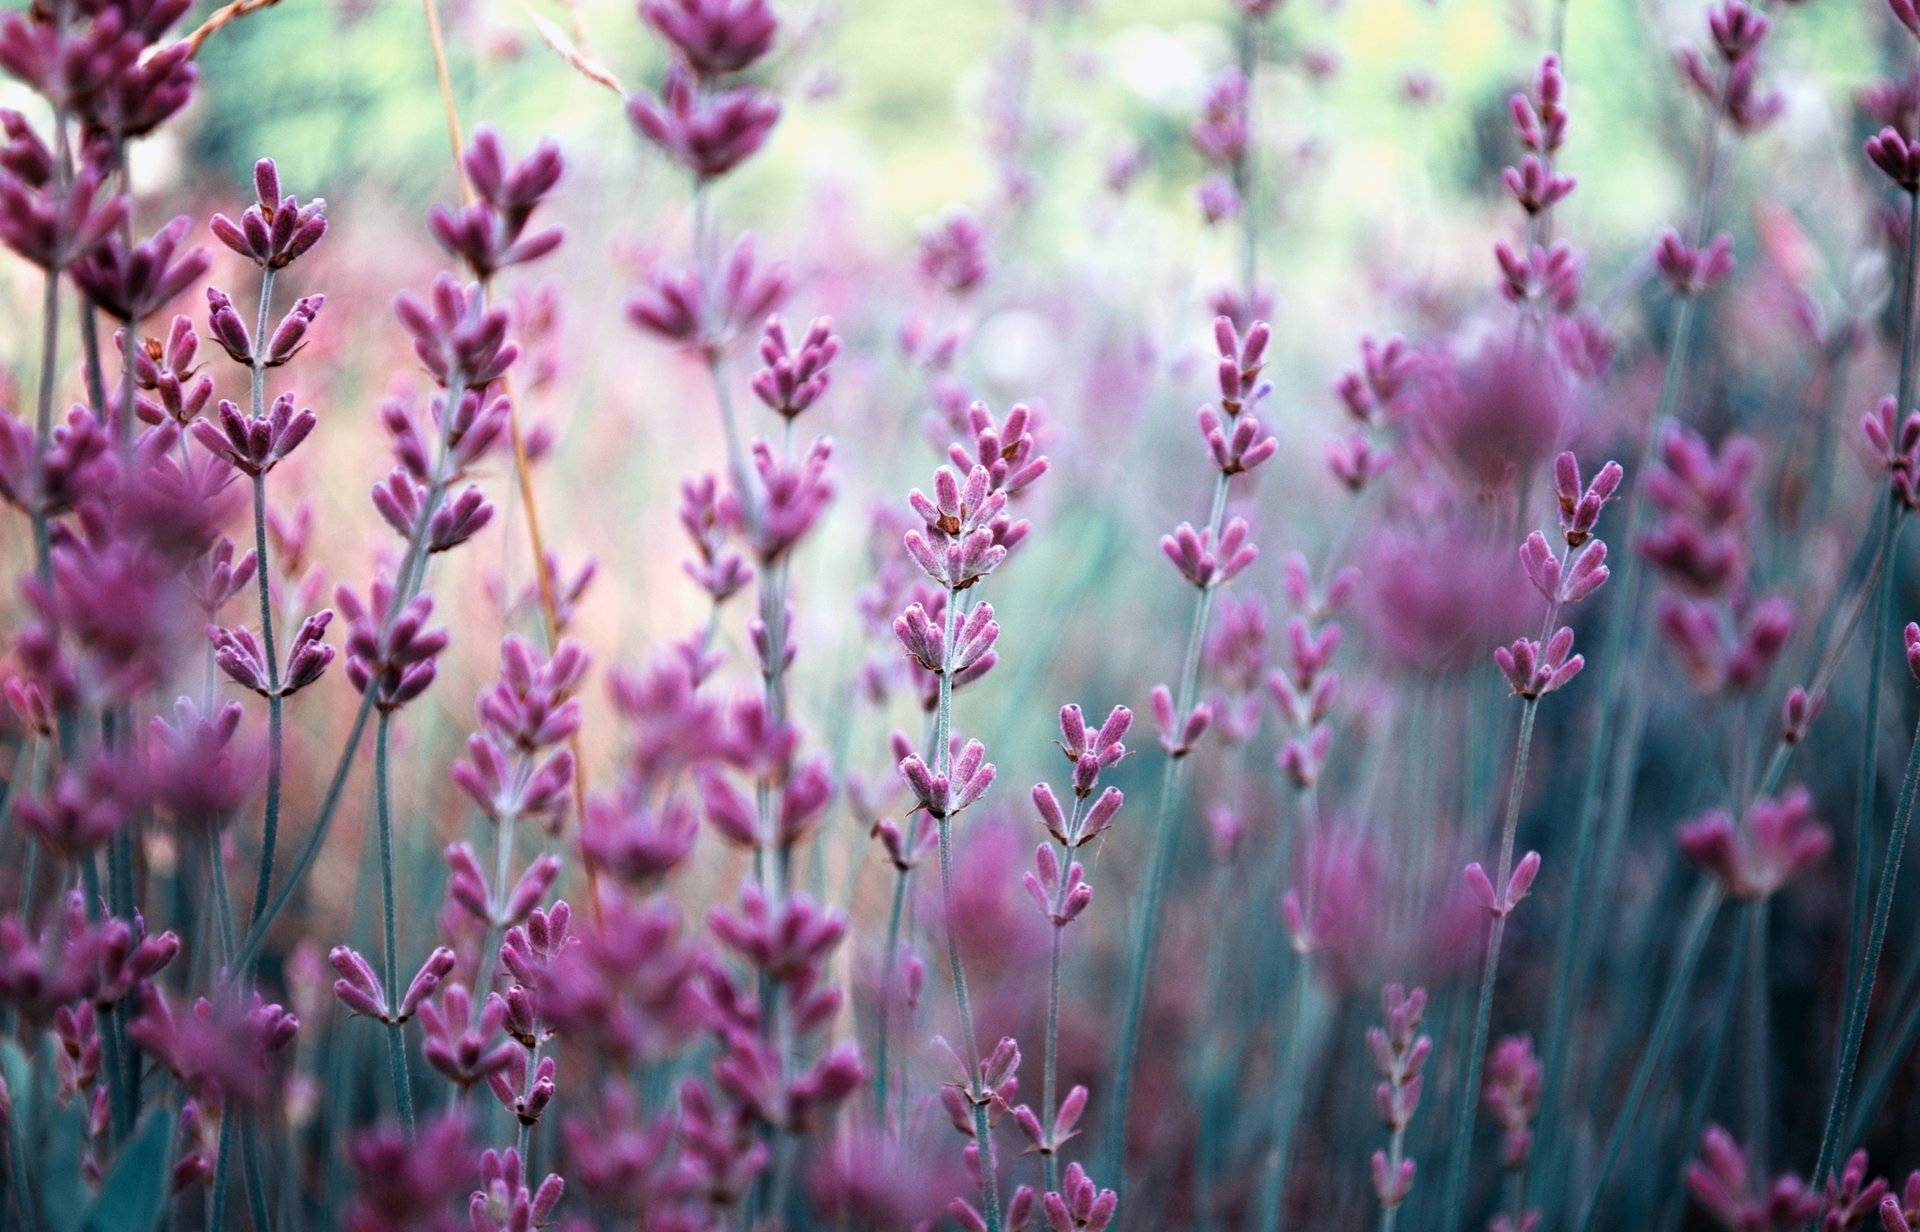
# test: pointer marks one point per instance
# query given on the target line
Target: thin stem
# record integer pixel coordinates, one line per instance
(218, 1221)
(256, 1185)
(390, 959)
(1868, 771)
(943, 763)
(1050, 1074)
(1856, 1021)
(309, 852)
(43, 420)
(411, 574)
(1759, 1062)
(1148, 931)
(889, 983)
(276, 740)
(1468, 1099)
(1706, 907)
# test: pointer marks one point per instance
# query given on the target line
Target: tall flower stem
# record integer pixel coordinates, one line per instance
(1706, 907)
(1759, 1060)
(390, 965)
(43, 420)
(1468, 1098)
(1147, 932)
(943, 766)
(1856, 1020)
(407, 584)
(270, 821)
(889, 981)
(1050, 1082)
(1860, 979)
(1620, 650)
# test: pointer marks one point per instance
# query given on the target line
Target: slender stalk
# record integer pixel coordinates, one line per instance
(390, 964)
(218, 1220)
(1694, 1119)
(889, 981)
(256, 1185)
(1148, 931)
(1881, 637)
(1468, 1098)
(43, 419)
(411, 574)
(1856, 1020)
(943, 766)
(270, 819)
(1759, 1060)
(1050, 1072)
(1706, 907)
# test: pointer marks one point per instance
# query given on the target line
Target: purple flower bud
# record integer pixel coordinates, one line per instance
(1533, 671)
(425, 981)
(794, 379)
(275, 231)
(713, 37)
(227, 327)
(132, 284)
(290, 335)
(952, 254)
(710, 132)
(1897, 156)
(1690, 271)
(358, 987)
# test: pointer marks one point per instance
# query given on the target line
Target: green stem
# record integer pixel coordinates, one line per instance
(1856, 1020)
(1148, 931)
(943, 765)
(43, 421)
(1468, 1098)
(1050, 1078)
(1759, 1060)
(390, 973)
(1706, 907)
(889, 986)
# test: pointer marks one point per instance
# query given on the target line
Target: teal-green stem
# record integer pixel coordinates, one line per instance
(1274, 1187)
(217, 1222)
(43, 417)
(1051, 1076)
(1147, 932)
(270, 819)
(889, 988)
(1860, 983)
(390, 958)
(1759, 1083)
(989, 1181)
(117, 1092)
(222, 899)
(256, 1185)
(1468, 1098)
(1706, 907)
(1212, 1118)
(411, 573)
(969, 1039)
(1621, 644)
(1708, 1074)
(1050, 1088)
(1856, 1020)
(1867, 774)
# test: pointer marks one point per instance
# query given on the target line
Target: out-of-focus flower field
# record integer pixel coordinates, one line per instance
(1016, 614)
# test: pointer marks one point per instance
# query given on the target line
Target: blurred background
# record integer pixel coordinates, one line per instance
(1381, 129)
